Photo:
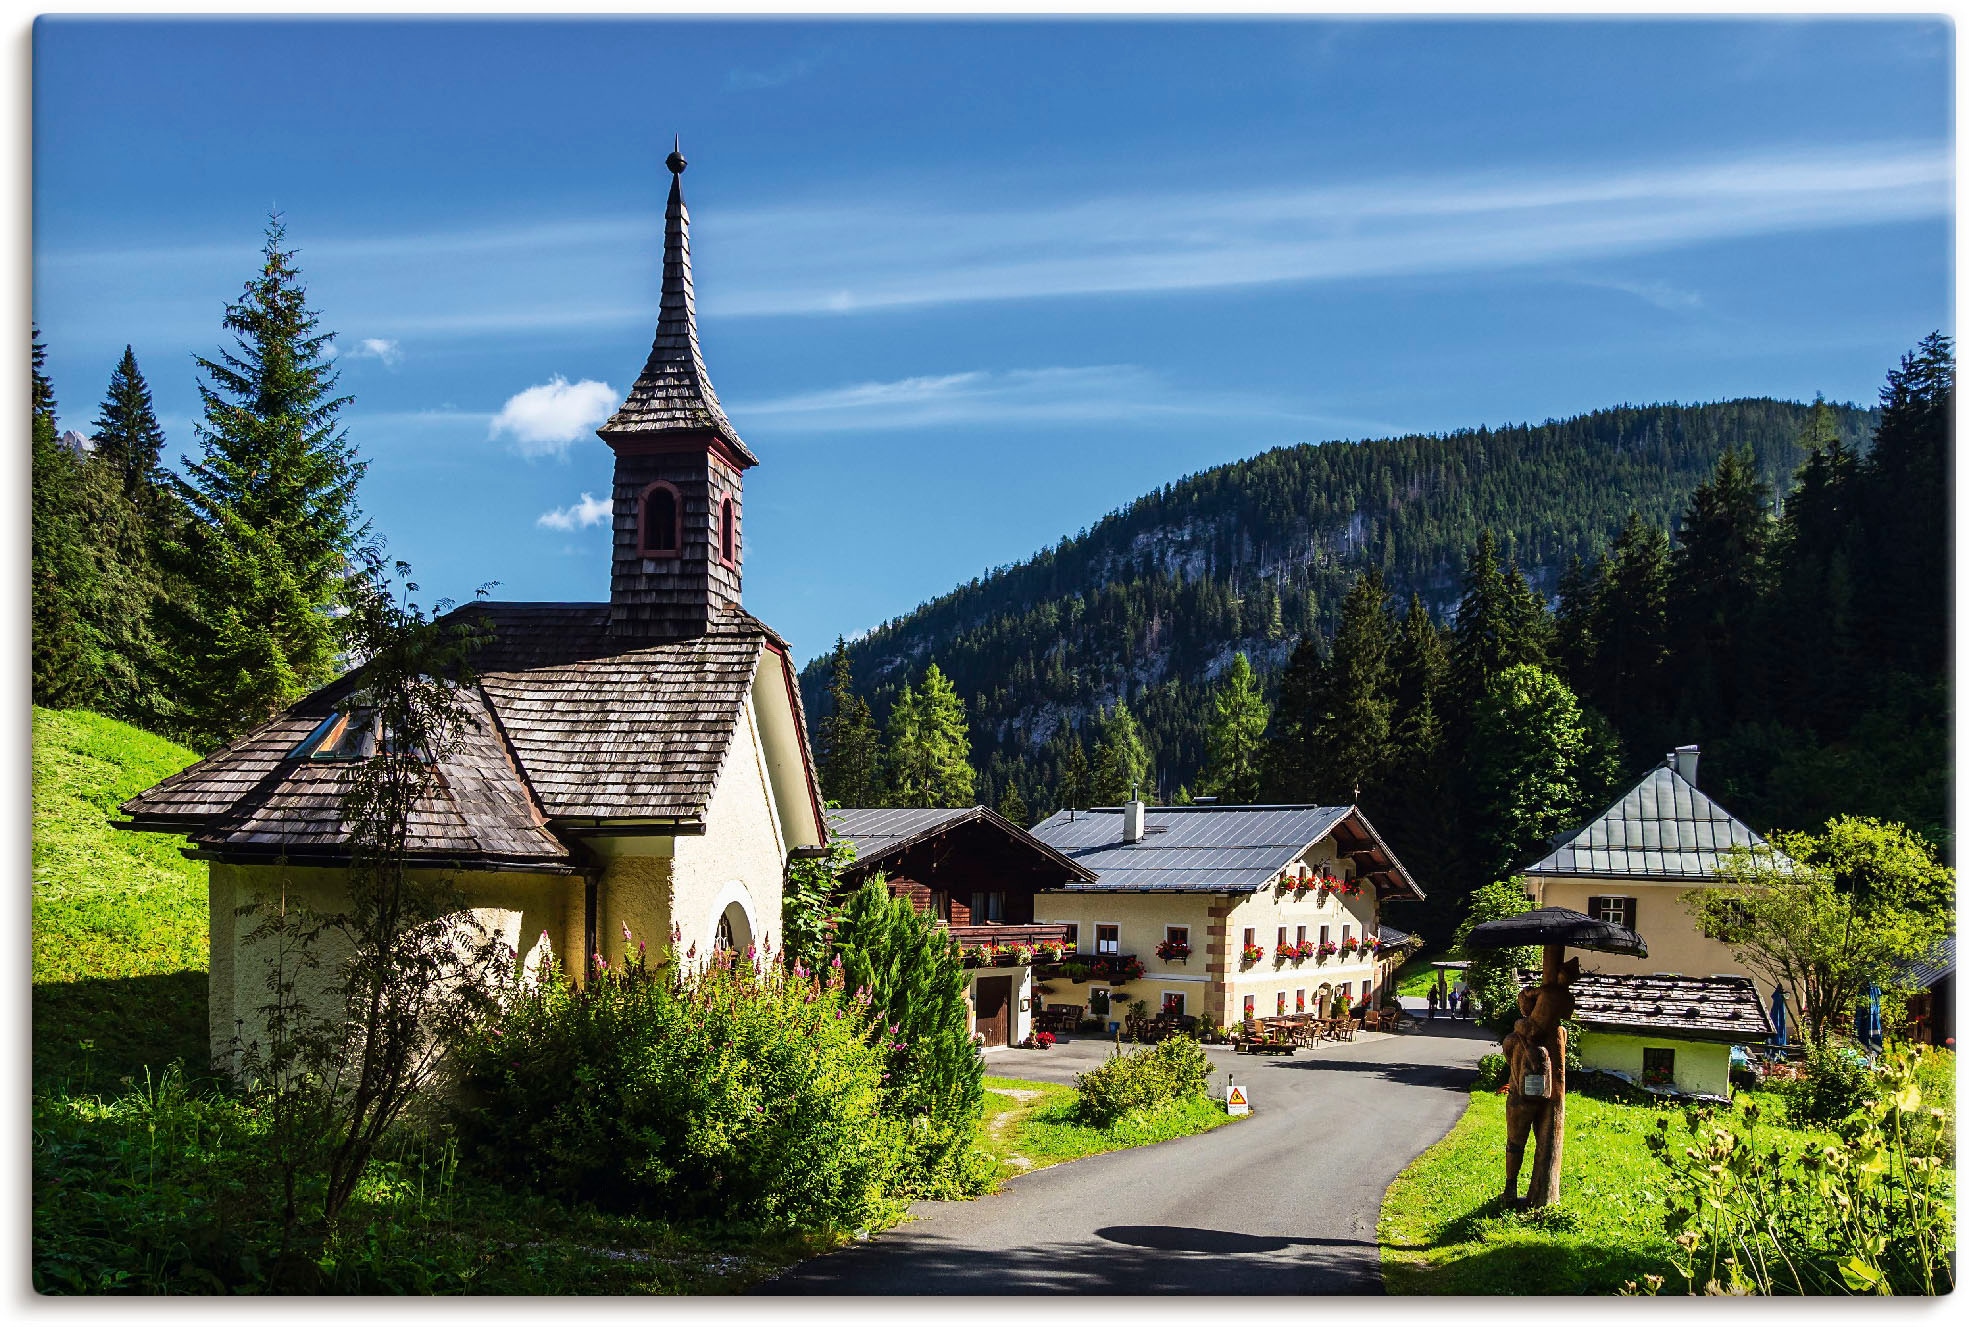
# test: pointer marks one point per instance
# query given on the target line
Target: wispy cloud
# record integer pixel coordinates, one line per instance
(1048, 395)
(543, 420)
(1658, 293)
(377, 348)
(759, 78)
(589, 511)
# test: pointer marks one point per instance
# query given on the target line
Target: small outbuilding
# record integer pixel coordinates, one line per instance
(1667, 1033)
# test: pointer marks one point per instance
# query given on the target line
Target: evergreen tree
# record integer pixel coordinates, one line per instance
(1291, 757)
(1812, 645)
(930, 746)
(1354, 732)
(1909, 518)
(1531, 752)
(1076, 778)
(1417, 807)
(1236, 735)
(848, 748)
(1121, 760)
(129, 440)
(62, 573)
(1716, 584)
(1573, 643)
(1499, 624)
(1013, 807)
(273, 531)
(1626, 677)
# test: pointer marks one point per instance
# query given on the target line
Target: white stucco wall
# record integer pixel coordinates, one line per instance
(1700, 1066)
(741, 856)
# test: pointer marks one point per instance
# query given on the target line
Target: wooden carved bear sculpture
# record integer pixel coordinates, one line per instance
(1536, 1049)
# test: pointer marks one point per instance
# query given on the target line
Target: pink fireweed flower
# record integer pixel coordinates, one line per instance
(625, 933)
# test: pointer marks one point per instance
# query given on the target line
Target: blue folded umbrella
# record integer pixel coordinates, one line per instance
(1777, 1018)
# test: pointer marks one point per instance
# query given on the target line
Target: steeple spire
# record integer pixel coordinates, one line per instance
(673, 394)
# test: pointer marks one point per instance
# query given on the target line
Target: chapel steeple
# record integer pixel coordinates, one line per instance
(679, 467)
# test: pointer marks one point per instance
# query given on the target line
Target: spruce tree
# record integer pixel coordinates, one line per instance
(1121, 759)
(129, 440)
(1234, 740)
(1013, 807)
(1418, 808)
(1627, 676)
(1716, 583)
(848, 748)
(1353, 734)
(1291, 766)
(273, 531)
(1532, 751)
(930, 746)
(1909, 518)
(64, 667)
(1813, 655)
(1076, 777)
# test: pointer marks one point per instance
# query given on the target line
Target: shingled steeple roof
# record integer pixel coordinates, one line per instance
(673, 394)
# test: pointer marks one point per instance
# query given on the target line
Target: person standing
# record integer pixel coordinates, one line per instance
(1432, 1004)
(1460, 998)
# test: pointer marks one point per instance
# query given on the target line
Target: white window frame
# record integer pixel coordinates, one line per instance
(1178, 997)
(1113, 926)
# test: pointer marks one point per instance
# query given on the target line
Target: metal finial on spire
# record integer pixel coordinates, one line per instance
(675, 161)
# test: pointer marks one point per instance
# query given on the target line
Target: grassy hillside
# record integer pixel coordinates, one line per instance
(119, 918)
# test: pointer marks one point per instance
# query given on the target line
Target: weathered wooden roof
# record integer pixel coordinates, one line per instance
(568, 731)
(1723, 1008)
(882, 832)
(1213, 849)
(673, 393)
(1664, 828)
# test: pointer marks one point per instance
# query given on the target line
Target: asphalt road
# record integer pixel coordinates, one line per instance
(1282, 1203)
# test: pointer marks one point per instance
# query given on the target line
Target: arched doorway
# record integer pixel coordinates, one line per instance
(733, 933)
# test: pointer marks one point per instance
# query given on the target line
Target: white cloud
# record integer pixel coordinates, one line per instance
(543, 420)
(591, 510)
(1049, 395)
(378, 348)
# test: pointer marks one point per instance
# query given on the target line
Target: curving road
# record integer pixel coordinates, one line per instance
(1284, 1203)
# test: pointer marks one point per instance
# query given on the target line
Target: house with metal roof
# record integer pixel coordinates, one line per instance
(979, 874)
(1228, 912)
(1668, 1034)
(1930, 1016)
(1636, 862)
(638, 764)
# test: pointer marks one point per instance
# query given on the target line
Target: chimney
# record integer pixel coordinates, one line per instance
(1134, 820)
(1683, 761)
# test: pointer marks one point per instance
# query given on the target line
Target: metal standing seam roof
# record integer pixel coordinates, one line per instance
(1721, 1008)
(878, 831)
(1939, 964)
(1664, 828)
(1189, 849)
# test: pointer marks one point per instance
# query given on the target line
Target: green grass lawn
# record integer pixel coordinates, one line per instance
(1444, 1232)
(119, 918)
(1030, 1125)
(1416, 976)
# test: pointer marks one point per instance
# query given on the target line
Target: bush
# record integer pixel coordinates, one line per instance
(1836, 1083)
(1170, 1070)
(719, 1094)
(1492, 1070)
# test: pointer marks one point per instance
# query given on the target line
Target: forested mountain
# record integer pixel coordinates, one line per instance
(1152, 604)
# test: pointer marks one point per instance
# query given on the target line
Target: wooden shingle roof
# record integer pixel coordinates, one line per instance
(879, 833)
(673, 393)
(569, 730)
(1722, 1008)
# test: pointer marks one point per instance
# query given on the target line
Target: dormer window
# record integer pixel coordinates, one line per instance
(343, 735)
(660, 521)
(727, 533)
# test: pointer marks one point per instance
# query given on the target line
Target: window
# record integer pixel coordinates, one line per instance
(1346, 934)
(1250, 1006)
(1281, 937)
(1281, 1004)
(1073, 937)
(1347, 990)
(1611, 908)
(343, 735)
(1324, 932)
(723, 942)
(660, 521)
(1657, 1066)
(1299, 1001)
(1107, 939)
(988, 907)
(1367, 994)
(1301, 937)
(728, 532)
(1097, 1002)
(1250, 937)
(1172, 1002)
(1177, 935)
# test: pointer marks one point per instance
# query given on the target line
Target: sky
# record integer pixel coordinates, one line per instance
(965, 287)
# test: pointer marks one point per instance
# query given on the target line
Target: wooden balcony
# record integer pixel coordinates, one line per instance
(1000, 935)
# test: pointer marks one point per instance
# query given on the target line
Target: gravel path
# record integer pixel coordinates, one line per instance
(1284, 1203)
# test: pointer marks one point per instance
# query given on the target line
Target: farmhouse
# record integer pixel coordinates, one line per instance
(1226, 912)
(1636, 863)
(978, 874)
(639, 764)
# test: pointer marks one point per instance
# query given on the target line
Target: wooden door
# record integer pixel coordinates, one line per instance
(993, 1002)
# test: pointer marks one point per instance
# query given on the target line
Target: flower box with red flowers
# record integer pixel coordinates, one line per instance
(1251, 954)
(1117, 968)
(1327, 949)
(1171, 952)
(1349, 945)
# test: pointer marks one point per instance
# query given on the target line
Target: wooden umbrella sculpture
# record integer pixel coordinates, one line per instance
(1536, 1048)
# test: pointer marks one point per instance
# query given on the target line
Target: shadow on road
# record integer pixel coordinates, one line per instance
(1183, 1239)
(1416, 1075)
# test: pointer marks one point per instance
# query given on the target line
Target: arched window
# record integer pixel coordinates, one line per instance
(727, 533)
(660, 521)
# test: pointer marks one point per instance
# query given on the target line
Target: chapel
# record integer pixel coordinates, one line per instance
(638, 765)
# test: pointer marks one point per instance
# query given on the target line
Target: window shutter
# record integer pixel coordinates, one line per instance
(1594, 906)
(1631, 925)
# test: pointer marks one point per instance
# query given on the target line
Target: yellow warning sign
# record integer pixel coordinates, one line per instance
(1236, 1102)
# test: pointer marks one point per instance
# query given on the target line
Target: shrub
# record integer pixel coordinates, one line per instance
(1172, 1069)
(721, 1093)
(1836, 1083)
(1492, 1070)
(909, 971)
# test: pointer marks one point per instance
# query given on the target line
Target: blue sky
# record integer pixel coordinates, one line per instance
(965, 287)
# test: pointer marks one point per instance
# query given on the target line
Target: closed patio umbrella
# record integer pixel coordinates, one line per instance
(1778, 1037)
